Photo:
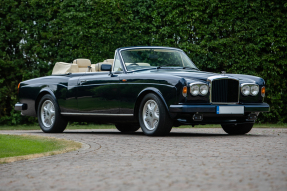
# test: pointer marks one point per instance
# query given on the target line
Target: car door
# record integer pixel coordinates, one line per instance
(97, 93)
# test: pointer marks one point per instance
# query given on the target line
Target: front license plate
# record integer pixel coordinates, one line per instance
(230, 110)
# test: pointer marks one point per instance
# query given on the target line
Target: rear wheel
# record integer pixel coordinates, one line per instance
(127, 128)
(49, 117)
(153, 117)
(239, 129)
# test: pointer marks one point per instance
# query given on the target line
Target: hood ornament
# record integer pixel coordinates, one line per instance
(223, 73)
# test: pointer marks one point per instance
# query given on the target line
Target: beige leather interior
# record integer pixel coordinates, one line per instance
(83, 64)
(79, 65)
(65, 68)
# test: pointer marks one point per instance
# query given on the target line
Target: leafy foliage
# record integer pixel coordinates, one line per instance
(247, 37)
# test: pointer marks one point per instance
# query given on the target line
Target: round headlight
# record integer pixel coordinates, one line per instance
(245, 90)
(194, 90)
(254, 90)
(203, 89)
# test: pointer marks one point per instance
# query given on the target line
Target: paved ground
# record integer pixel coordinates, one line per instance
(188, 159)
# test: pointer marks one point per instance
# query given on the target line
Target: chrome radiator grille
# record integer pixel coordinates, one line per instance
(225, 91)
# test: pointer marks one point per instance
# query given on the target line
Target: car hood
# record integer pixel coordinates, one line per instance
(202, 76)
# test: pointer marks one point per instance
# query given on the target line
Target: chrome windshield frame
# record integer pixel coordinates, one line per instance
(148, 47)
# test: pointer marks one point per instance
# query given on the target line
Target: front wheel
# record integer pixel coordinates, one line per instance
(49, 117)
(239, 129)
(153, 117)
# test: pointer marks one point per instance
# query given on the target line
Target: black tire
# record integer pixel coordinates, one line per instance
(239, 129)
(57, 124)
(161, 122)
(127, 128)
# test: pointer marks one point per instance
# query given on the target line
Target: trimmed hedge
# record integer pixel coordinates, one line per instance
(247, 37)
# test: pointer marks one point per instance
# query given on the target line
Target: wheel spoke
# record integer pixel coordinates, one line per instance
(147, 119)
(48, 106)
(46, 120)
(52, 119)
(156, 116)
(50, 122)
(149, 107)
(52, 112)
(155, 108)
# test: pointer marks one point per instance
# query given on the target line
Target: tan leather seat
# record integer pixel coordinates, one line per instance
(83, 64)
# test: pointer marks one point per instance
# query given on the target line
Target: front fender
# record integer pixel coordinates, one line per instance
(154, 90)
(158, 93)
(42, 93)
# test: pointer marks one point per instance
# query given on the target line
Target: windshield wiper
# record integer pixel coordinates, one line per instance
(186, 67)
(165, 66)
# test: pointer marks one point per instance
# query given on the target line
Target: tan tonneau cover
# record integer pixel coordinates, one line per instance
(65, 68)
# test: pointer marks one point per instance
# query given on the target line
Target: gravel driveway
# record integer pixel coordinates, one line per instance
(187, 159)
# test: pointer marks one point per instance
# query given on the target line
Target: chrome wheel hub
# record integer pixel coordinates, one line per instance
(48, 113)
(150, 115)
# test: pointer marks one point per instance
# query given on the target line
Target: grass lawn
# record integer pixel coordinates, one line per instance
(18, 145)
(92, 126)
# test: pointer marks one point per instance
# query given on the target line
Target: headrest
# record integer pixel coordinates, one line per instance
(109, 60)
(82, 62)
(98, 65)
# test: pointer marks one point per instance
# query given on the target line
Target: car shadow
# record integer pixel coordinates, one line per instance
(140, 133)
(171, 134)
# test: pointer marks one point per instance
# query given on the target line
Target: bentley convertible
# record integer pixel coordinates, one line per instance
(152, 88)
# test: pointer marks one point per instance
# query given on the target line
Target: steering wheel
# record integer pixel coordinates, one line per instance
(133, 64)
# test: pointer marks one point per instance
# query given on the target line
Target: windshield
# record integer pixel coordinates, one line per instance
(138, 59)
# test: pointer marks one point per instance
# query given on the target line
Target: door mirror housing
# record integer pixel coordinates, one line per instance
(106, 67)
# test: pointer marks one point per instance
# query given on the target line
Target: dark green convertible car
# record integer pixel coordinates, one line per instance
(155, 88)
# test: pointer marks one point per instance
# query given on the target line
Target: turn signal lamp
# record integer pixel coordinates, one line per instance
(184, 91)
(263, 91)
(18, 87)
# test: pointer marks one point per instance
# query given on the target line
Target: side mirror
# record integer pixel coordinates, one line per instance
(106, 67)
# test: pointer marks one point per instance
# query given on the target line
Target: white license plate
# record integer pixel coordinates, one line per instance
(230, 110)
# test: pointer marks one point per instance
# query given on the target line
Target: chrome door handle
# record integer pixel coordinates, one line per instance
(82, 81)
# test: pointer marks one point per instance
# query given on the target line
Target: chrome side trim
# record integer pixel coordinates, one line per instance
(96, 114)
(212, 78)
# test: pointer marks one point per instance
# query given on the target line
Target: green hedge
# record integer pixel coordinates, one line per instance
(237, 36)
